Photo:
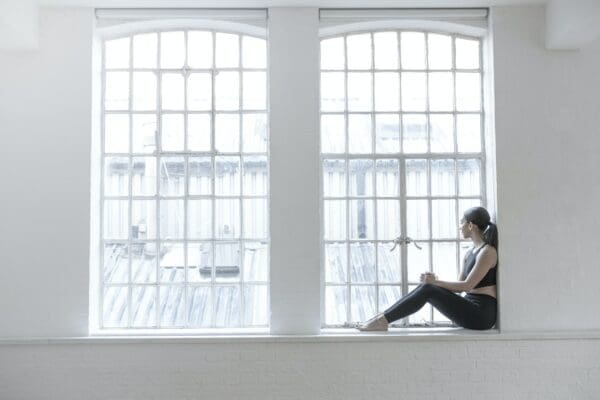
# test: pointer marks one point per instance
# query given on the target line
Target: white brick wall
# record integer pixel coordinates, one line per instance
(388, 369)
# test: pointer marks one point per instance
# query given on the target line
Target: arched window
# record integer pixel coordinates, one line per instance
(184, 239)
(402, 155)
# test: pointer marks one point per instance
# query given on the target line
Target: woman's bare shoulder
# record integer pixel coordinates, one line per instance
(489, 252)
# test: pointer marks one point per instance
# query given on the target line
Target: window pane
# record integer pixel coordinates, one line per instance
(144, 91)
(172, 176)
(387, 178)
(443, 178)
(256, 262)
(227, 176)
(227, 306)
(469, 176)
(171, 219)
(336, 263)
(361, 177)
(227, 262)
(468, 132)
(417, 219)
(467, 54)
(336, 303)
(412, 50)
(334, 178)
(115, 308)
(444, 219)
(388, 295)
(172, 91)
(417, 261)
(143, 306)
(388, 219)
(254, 52)
(439, 51)
(363, 302)
(116, 176)
(255, 180)
(362, 262)
(334, 214)
(441, 91)
(361, 219)
(360, 91)
(255, 308)
(333, 138)
(172, 49)
(200, 49)
(414, 133)
(198, 131)
(255, 90)
(387, 91)
(254, 130)
(200, 173)
(199, 262)
(199, 219)
(172, 306)
(199, 91)
(359, 133)
(172, 263)
(416, 178)
(144, 176)
(444, 260)
(117, 53)
(468, 91)
(227, 91)
(200, 306)
(386, 50)
(172, 132)
(227, 132)
(116, 263)
(332, 91)
(115, 219)
(414, 91)
(116, 96)
(441, 130)
(388, 263)
(227, 218)
(143, 219)
(145, 50)
(359, 51)
(143, 262)
(144, 133)
(255, 219)
(387, 133)
(227, 50)
(116, 133)
(332, 53)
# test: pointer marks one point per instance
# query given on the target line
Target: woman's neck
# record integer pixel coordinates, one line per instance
(477, 242)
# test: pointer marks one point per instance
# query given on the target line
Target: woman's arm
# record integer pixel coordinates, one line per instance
(486, 259)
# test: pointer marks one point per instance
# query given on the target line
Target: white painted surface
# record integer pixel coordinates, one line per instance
(19, 25)
(294, 173)
(547, 146)
(572, 24)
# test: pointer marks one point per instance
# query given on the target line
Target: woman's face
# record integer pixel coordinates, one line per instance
(465, 228)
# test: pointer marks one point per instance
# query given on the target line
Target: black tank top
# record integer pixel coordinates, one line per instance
(489, 279)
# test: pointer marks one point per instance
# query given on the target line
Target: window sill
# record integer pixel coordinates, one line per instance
(326, 336)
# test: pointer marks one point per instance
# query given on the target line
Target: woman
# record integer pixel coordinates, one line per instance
(477, 309)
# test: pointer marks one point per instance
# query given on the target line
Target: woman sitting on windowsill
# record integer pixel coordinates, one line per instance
(477, 309)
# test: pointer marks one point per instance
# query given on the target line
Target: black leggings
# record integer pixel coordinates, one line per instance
(474, 311)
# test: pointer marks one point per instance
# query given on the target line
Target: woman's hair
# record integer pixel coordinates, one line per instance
(480, 217)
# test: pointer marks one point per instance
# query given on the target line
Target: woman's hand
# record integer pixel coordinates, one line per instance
(428, 277)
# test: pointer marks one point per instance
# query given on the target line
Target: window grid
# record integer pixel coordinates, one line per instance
(158, 154)
(401, 157)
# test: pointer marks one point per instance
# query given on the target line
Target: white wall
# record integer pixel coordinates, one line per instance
(547, 122)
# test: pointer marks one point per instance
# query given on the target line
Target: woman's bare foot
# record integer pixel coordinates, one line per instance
(377, 323)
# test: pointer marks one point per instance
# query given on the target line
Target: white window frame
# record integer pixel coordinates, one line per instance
(295, 214)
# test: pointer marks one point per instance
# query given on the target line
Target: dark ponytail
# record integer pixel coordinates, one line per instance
(480, 217)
